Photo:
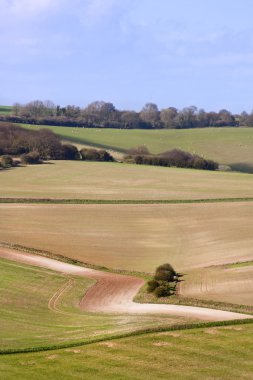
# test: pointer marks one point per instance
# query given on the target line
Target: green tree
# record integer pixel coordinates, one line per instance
(164, 282)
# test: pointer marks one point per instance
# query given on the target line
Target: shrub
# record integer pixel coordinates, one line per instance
(175, 157)
(31, 158)
(163, 290)
(165, 272)
(164, 282)
(6, 161)
(152, 285)
(69, 152)
(95, 155)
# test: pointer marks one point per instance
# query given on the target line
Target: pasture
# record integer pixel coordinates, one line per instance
(207, 353)
(5, 110)
(96, 180)
(135, 237)
(229, 146)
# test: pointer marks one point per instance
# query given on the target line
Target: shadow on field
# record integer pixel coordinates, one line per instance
(242, 167)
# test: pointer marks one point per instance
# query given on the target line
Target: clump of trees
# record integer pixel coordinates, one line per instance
(175, 157)
(164, 282)
(15, 140)
(35, 146)
(101, 114)
(96, 155)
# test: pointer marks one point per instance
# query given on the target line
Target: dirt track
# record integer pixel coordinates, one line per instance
(113, 293)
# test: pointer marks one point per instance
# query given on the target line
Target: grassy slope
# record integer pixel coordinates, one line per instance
(134, 237)
(24, 296)
(5, 110)
(94, 180)
(231, 146)
(208, 353)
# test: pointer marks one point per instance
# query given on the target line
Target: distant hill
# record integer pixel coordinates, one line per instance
(228, 146)
(5, 110)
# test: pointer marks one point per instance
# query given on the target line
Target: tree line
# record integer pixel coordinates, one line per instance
(32, 147)
(101, 114)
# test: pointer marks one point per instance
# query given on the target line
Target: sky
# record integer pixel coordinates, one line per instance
(128, 52)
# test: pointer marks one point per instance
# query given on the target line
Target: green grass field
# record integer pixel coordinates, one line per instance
(229, 146)
(5, 110)
(94, 180)
(27, 308)
(208, 353)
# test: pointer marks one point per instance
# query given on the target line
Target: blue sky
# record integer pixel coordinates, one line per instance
(129, 52)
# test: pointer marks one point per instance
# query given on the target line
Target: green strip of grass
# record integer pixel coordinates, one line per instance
(122, 201)
(240, 264)
(187, 326)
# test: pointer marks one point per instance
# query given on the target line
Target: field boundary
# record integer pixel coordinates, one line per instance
(120, 201)
(186, 326)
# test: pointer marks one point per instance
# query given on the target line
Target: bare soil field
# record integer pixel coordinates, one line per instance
(113, 293)
(135, 237)
(94, 180)
(232, 284)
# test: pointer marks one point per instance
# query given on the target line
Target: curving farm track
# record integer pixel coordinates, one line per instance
(113, 293)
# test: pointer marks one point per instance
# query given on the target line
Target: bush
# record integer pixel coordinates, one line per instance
(164, 281)
(175, 157)
(96, 155)
(165, 272)
(152, 285)
(69, 152)
(6, 161)
(163, 290)
(31, 158)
